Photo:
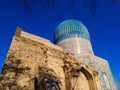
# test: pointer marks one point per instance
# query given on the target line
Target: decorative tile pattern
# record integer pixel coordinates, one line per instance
(76, 45)
(71, 28)
(101, 66)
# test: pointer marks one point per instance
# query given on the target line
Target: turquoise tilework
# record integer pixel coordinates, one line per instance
(70, 28)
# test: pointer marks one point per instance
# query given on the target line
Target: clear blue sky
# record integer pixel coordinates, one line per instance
(103, 26)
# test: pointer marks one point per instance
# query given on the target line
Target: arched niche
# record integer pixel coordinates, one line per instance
(89, 77)
(84, 81)
(46, 80)
(107, 84)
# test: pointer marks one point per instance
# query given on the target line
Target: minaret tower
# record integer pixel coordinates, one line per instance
(74, 37)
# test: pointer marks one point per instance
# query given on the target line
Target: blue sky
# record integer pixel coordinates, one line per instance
(103, 26)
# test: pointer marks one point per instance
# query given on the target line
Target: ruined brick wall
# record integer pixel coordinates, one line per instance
(33, 63)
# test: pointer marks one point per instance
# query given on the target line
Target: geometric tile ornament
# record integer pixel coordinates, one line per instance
(74, 37)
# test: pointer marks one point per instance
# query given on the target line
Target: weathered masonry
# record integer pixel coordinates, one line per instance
(34, 63)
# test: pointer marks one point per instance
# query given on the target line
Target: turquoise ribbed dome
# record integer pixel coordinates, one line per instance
(70, 28)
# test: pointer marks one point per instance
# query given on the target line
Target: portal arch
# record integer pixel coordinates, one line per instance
(84, 81)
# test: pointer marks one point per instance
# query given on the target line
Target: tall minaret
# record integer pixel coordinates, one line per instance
(74, 37)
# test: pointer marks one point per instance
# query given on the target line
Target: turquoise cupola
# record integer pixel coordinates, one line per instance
(73, 37)
(70, 28)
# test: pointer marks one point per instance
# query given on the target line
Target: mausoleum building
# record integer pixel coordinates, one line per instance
(34, 63)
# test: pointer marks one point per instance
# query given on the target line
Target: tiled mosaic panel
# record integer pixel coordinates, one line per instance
(76, 45)
(101, 66)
